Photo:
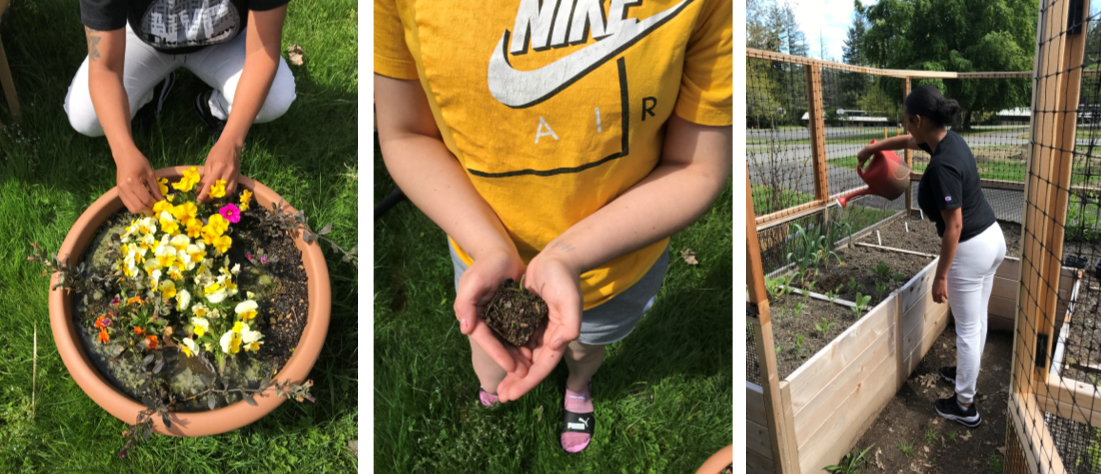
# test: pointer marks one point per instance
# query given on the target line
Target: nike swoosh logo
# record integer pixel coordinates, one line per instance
(519, 89)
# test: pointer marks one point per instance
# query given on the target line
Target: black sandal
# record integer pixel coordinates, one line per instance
(578, 423)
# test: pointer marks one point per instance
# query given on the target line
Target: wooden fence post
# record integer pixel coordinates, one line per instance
(817, 124)
(784, 452)
(1054, 108)
(909, 156)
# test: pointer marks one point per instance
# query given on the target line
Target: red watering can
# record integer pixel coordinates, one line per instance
(886, 175)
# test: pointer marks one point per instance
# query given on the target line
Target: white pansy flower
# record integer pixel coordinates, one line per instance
(226, 339)
(200, 326)
(192, 348)
(248, 336)
(183, 299)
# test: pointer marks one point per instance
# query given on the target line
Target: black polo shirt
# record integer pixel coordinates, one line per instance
(952, 181)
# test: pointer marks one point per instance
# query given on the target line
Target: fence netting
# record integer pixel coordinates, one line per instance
(752, 366)
(1057, 358)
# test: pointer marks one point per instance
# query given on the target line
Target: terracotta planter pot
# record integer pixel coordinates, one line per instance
(205, 423)
(718, 461)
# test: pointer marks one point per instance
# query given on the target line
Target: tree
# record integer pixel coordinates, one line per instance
(854, 85)
(955, 35)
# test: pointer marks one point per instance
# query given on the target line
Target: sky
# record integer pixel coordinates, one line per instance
(830, 18)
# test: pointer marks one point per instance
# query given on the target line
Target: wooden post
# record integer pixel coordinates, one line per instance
(818, 133)
(1055, 97)
(785, 453)
(909, 157)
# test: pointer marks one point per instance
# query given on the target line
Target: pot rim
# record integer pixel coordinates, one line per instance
(219, 420)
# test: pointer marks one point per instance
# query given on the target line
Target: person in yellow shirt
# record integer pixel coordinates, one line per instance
(559, 141)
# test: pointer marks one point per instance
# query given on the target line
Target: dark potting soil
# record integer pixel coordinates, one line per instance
(514, 313)
(789, 320)
(280, 288)
(1082, 350)
(936, 445)
(859, 265)
(922, 236)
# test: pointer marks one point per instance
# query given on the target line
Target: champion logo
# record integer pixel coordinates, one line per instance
(947, 198)
(550, 25)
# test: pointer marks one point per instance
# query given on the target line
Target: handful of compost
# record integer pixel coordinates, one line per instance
(514, 313)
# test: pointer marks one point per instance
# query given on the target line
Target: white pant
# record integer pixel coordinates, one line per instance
(970, 280)
(219, 66)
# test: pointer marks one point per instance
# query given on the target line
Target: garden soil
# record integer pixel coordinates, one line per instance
(859, 264)
(786, 326)
(922, 236)
(514, 313)
(936, 445)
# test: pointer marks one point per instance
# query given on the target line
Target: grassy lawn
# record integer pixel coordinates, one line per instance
(49, 175)
(1000, 170)
(662, 395)
(866, 137)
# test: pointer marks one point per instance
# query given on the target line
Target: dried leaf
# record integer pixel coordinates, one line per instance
(354, 249)
(294, 54)
(164, 418)
(1001, 450)
(689, 256)
(966, 436)
(325, 230)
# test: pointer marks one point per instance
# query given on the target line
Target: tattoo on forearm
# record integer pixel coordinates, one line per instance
(93, 42)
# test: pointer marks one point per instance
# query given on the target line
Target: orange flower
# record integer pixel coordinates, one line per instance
(138, 331)
(133, 299)
(100, 323)
(103, 337)
(152, 342)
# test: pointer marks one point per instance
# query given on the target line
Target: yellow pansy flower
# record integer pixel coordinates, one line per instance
(223, 243)
(168, 289)
(218, 189)
(246, 196)
(200, 325)
(218, 222)
(162, 183)
(230, 342)
(188, 181)
(194, 228)
(189, 348)
(161, 206)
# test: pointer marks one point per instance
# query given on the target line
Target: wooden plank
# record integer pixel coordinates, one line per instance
(816, 374)
(788, 434)
(1034, 439)
(757, 464)
(817, 129)
(813, 414)
(784, 455)
(900, 73)
(914, 348)
(892, 249)
(841, 428)
(1071, 399)
(915, 289)
(908, 154)
(787, 215)
(755, 403)
(757, 439)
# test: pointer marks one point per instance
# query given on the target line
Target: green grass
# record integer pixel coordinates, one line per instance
(864, 138)
(662, 395)
(48, 176)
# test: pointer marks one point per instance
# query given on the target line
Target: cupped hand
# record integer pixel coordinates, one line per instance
(137, 185)
(476, 288)
(223, 162)
(558, 283)
(864, 154)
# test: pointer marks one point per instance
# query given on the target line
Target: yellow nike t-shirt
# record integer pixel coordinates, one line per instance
(556, 107)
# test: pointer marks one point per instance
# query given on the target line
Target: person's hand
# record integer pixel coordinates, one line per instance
(557, 282)
(940, 289)
(223, 162)
(864, 154)
(476, 288)
(137, 186)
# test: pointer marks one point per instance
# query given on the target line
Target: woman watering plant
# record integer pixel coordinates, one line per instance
(972, 243)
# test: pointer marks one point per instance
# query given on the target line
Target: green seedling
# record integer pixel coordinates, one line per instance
(775, 287)
(861, 304)
(850, 463)
(930, 435)
(797, 309)
(952, 437)
(882, 271)
(906, 448)
(779, 350)
(899, 277)
(880, 289)
(832, 295)
(853, 285)
(824, 326)
(798, 348)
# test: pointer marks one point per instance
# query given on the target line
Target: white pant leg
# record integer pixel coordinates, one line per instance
(220, 66)
(143, 68)
(970, 281)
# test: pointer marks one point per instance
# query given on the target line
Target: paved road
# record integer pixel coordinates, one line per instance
(1001, 137)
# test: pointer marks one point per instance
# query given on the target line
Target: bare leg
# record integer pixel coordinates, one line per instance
(583, 360)
(489, 373)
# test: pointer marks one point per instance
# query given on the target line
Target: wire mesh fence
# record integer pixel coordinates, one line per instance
(1057, 360)
(752, 366)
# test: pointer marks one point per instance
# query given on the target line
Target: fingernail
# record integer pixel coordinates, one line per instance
(462, 323)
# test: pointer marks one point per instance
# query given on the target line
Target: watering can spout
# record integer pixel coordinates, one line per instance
(886, 175)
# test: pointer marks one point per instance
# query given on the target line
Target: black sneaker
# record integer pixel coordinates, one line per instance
(144, 118)
(950, 409)
(948, 373)
(202, 107)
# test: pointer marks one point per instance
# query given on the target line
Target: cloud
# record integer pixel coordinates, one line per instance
(825, 21)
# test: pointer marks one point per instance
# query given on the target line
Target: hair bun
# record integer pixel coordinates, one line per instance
(949, 110)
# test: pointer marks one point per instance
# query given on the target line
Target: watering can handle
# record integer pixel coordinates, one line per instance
(860, 168)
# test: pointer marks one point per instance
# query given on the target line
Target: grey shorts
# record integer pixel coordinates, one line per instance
(617, 317)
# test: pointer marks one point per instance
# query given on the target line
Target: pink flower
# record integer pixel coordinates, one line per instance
(231, 212)
(263, 259)
(115, 302)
